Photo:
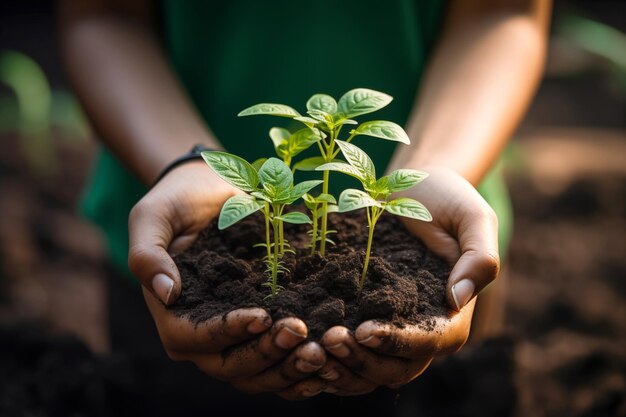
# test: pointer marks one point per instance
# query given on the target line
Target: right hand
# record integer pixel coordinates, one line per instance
(243, 347)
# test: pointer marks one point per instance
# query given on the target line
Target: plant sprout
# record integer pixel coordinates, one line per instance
(375, 198)
(269, 189)
(288, 145)
(329, 116)
(315, 205)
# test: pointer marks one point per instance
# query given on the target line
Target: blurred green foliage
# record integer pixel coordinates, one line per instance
(598, 39)
(37, 114)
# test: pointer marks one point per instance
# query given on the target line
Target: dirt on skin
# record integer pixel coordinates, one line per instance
(405, 282)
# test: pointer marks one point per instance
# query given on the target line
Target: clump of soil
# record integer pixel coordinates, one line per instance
(405, 282)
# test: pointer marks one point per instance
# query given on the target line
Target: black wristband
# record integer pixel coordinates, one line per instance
(193, 155)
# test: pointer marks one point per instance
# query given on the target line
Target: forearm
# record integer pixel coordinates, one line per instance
(477, 87)
(127, 88)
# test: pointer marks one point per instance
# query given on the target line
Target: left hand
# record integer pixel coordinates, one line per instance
(464, 232)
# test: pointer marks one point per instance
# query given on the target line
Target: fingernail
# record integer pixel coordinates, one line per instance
(306, 367)
(371, 341)
(330, 390)
(339, 350)
(330, 375)
(311, 393)
(462, 291)
(259, 325)
(287, 338)
(162, 286)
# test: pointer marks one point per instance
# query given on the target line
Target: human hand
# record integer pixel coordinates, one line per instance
(243, 347)
(463, 232)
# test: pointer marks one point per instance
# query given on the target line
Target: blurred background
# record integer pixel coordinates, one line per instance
(564, 352)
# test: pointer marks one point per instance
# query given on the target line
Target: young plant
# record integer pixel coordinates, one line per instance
(375, 198)
(329, 116)
(288, 145)
(315, 205)
(269, 189)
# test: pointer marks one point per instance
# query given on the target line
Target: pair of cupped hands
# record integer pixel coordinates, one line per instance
(255, 354)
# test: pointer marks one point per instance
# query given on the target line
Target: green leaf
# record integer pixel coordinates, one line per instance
(271, 109)
(303, 139)
(361, 101)
(408, 207)
(401, 179)
(331, 208)
(300, 189)
(276, 174)
(380, 187)
(325, 198)
(321, 116)
(322, 102)
(262, 196)
(344, 168)
(236, 208)
(258, 163)
(352, 199)
(270, 192)
(359, 160)
(309, 201)
(310, 122)
(382, 129)
(232, 169)
(295, 217)
(279, 136)
(280, 139)
(309, 164)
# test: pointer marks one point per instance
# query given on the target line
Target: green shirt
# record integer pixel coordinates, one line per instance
(233, 54)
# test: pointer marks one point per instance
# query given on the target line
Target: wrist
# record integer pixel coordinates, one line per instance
(193, 155)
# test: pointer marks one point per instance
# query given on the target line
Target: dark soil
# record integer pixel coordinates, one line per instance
(405, 282)
(48, 374)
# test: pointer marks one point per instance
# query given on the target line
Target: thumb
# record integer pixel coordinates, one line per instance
(150, 234)
(479, 263)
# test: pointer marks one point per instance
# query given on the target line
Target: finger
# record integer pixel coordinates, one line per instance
(378, 368)
(150, 233)
(479, 263)
(300, 364)
(256, 355)
(447, 335)
(342, 381)
(178, 334)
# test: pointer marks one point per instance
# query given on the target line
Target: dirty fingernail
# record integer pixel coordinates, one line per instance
(306, 367)
(330, 375)
(259, 325)
(311, 393)
(287, 338)
(462, 291)
(330, 390)
(162, 286)
(371, 341)
(339, 350)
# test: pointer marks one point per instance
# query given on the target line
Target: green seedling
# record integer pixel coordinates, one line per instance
(375, 198)
(328, 116)
(288, 145)
(269, 189)
(315, 205)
